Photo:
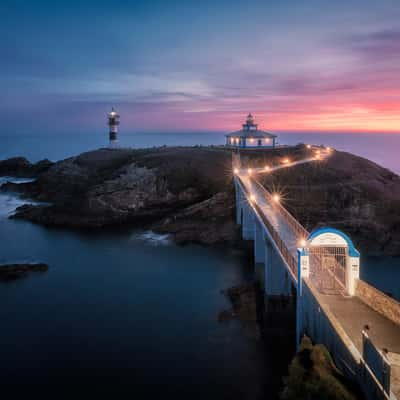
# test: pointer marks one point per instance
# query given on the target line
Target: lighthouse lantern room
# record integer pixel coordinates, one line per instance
(113, 122)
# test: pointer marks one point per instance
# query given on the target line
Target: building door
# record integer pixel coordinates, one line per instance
(327, 268)
(259, 142)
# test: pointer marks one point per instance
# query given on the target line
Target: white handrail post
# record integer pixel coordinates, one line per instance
(352, 273)
(303, 271)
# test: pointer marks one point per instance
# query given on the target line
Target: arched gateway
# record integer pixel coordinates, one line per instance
(330, 260)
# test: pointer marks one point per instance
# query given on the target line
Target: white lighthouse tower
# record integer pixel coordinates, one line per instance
(113, 122)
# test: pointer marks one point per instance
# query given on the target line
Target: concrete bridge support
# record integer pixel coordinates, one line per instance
(259, 252)
(277, 279)
(279, 295)
(244, 214)
(247, 217)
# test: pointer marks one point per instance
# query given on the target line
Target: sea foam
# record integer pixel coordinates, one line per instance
(153, 239)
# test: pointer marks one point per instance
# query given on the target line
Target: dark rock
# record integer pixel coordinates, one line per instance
(313, 375)
(9, 272)
(21, 167)
(245, 308)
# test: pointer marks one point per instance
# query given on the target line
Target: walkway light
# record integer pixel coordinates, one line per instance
(276, 197)
(302, 243)
(267, 168)
(286, 161)
(236, 171)
(252, 198)
(249, 171)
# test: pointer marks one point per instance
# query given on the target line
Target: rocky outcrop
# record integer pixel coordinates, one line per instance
(313, 375)
(20, 167)
(245, 308)
(209, 222)
(9, 272)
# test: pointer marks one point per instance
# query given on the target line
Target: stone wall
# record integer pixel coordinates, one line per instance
(378, 301)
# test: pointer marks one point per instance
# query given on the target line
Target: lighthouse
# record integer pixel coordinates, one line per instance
(113, 122)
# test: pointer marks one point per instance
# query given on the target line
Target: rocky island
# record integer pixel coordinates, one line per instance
(188, 192)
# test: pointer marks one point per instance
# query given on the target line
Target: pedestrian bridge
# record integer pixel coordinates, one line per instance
(318, 273)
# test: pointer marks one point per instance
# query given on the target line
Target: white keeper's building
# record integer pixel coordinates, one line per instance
(250, 136)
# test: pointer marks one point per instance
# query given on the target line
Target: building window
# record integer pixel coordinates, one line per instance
(259, 142)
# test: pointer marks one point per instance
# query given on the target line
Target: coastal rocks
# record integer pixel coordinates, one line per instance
(133, 189)
(244, 308)
(313, 375)
(20, 167)
(9, 272)
(208, 222)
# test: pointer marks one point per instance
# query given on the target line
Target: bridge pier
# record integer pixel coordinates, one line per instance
(279, 298)
(259, 253)
(247, 217)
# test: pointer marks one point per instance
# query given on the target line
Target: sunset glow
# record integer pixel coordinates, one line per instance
(338, 73)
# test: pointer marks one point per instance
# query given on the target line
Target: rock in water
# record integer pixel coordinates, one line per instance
(9, 272)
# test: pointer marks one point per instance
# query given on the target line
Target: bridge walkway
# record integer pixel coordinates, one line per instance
(267, 211)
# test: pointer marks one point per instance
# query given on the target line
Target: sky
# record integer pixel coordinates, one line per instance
(297, 65)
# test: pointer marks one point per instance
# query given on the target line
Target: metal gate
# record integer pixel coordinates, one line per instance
(327, 268)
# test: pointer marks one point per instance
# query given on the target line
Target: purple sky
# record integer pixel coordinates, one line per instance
(182, 65)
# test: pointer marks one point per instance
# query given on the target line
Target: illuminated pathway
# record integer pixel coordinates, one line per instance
(358, 324)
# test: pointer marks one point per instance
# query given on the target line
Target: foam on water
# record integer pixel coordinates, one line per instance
(153, 239)
(12, 179)
(10, 201)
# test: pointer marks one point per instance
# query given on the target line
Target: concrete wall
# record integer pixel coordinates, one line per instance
(378, 301)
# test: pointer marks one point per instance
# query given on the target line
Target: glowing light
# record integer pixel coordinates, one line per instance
(302, 242)
(286, 161)
(317, 156)
(267, 168)
(318, 152)
(249, 171)
(252, 198)
(235, 171)
(309, 146)
(251, 140)
(276, 198)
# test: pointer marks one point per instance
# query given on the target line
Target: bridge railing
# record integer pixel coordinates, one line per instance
(298, 229)
(287, 255)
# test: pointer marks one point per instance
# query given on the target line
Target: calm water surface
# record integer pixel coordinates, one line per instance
(128, 309)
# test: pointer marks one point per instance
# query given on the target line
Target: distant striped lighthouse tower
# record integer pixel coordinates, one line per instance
(113, 122)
